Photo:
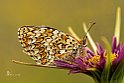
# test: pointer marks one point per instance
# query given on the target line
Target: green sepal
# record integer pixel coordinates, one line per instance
(118, 75)
(96, 75)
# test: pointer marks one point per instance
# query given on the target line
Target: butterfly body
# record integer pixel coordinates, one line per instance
(45, 44)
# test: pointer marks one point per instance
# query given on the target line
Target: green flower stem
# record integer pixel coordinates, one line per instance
(106, 72)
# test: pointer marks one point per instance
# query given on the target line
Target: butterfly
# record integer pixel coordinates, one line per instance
(45, 44)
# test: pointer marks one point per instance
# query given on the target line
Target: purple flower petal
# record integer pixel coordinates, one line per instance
(63, 64)
(72, 71)
(114, 41)
(118, 48)
(89, 51)
(79, 62)
(120, 56)
(100, 50)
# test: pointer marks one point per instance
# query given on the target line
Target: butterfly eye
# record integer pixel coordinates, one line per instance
(84, 41)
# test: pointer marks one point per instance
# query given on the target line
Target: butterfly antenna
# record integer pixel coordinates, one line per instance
(85, 35)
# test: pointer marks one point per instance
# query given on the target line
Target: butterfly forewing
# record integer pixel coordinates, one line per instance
(45, 44)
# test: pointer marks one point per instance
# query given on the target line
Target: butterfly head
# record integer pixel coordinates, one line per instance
(84, 41)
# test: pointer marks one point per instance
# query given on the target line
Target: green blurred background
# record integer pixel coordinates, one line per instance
(56, 13)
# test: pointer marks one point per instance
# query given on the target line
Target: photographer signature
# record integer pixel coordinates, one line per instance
(8, 73)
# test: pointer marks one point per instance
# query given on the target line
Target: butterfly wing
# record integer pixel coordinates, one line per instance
(45, 44)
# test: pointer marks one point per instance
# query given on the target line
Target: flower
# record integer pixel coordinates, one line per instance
(83, 64)
(94, 62)
(117, 52)
(104, 65)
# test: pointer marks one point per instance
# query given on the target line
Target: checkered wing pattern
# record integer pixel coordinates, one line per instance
(45, 44)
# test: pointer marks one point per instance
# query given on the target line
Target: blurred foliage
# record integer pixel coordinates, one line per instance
(55, 13)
